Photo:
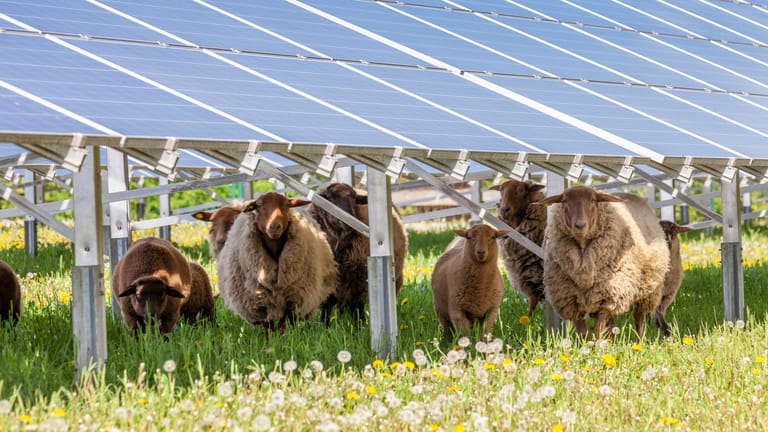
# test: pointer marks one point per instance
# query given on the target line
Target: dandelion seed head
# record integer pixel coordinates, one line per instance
(566, 343)
(169, 366)
(740, 324)
(481, 347)
(290, 366)
(224, 389)
(316, 365)
(615, 330)
(245, 413)
(463, 342)
(261, 423)
(5, 406)
(605, 390)
(186, 405)
(307, 373)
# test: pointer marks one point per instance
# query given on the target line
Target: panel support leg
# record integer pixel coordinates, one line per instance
(119, 225)
(165, 211)
(730, 248)
(34, 194)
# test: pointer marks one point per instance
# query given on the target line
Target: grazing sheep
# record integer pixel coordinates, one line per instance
(674, 276)
(524, 268)
(276, 263)
(221, 222)
(605, 254)
(10, 294)
(200, 303)
(466, 282)
(352, 249)
(152, 280)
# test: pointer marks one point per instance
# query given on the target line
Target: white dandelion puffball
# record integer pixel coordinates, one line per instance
(344, 356)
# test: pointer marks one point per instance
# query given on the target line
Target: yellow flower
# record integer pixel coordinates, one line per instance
(760, 359)
(394, 365)
(454, 388)
(142, 401)
(64, 297)
(709, 361)
(507, 361)
(668, 421)
(556, 377)
(489, 366)
(353, 396)
(421, 317)
(377, 364)
(609, 360)
(403, 326)
(437, 373)
(433, 427)
(370, 390)
(385, 374)
(538, 361)
(564, 358)
(419, 343)
(218, 405)
(458, 428)
(524, 320)
(755, 371)
(586, 368)
(637, 347)
(333, 318)
(557, 427)
(409, 365)
(404, 301)
(687, 340)
(25, 418)
(58, 412)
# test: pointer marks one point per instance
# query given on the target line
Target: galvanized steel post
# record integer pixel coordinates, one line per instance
(730, 248)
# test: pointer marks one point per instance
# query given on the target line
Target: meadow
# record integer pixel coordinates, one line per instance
(710, 375)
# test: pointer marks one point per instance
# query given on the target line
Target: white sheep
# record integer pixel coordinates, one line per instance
(466, 281)
(605, 254)
(276, 263)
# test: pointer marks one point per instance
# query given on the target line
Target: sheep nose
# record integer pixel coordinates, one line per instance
(481, 255)
(580, 226)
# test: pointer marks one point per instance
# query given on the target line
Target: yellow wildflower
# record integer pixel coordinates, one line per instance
(370, 390)
(524, 320)
(409, 365)
(404, 301)
(760, 359)
(58, 412)
(458, 428)
(489, 366)
(353, 396)
(538, 361)
(609, 360)
(25, 418)
(377, 364)
(687, 340)
(637, 347)
(709, 361)
(557, 427)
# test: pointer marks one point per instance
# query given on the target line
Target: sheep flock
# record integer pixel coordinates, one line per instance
(282, 259)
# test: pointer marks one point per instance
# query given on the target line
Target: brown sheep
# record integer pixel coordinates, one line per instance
(674, 277)
(352, 249)
(524, 268)
(151, 281)
(221, 222)
(605, 254)
(466, 281)
(200, 303)
(10, 294)
(276, 263)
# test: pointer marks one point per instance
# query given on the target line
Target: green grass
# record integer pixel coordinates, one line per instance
(707, 376)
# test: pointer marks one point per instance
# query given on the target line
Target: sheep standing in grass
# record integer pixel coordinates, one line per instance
(221, 222)
(10, 294)
(605, 254)
(674, 277)
(151, 281)
(352, 249)
(200, 303)
(276, 263)
(524, 268)
(466, 282)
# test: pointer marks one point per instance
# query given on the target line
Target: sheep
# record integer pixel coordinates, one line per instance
(352, 249)
(200, 303)
(604, 254)
(674, 276)
(524, 268)
(221, 222)
(151, 281)
(276, 263)
(10, 294)
(466, 281)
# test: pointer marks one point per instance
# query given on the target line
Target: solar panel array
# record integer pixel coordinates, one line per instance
(621, 77)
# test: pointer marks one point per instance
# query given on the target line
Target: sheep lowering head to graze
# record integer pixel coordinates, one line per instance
(524, 268)
(200, 303)
(466, 283)
(10, 294)
(605, 254)
(674, 277)
(221, 222)
(151, 282)
(352, 249)
(276, 263)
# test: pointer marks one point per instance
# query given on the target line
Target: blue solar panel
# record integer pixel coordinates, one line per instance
(139, 89)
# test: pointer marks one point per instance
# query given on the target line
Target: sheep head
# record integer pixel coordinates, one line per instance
(671, 230)
(481, 242)
(580, 210)
(221, 222)
(272, 217)
(343, 196)
(516, 196)
(149, 295)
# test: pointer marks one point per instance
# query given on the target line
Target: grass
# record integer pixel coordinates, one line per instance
(709, 375)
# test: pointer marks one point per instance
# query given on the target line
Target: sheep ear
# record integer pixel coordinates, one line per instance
(128, 292)
(495, 187)
(460, 233)
(534, 187)
(605, 197)
(253, 205)
(501, 233)
(173, 292)
(554, 199)
(297, 202)
(681, 229)
(203, 216)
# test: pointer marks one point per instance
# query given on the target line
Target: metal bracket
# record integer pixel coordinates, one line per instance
(461, 168)
(626, 171)
(328, 162)
(168, 159)
(686, 171)
(250, 163)
(73, 161)
(521, 166)
(574, 173)
(396, 164)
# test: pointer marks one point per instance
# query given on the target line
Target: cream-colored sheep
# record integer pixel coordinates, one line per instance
(221, 222)
(605, 254)
(466, 283)
(276, 264)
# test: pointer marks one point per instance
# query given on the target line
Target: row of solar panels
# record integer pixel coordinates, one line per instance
(648, 78)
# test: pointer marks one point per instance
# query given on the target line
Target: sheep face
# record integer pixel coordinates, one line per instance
(272, 213)
(343, 196)
(149, 296)
(221, 222)
(580, 205)
(514, 201)
(481, 242)
(671, 230)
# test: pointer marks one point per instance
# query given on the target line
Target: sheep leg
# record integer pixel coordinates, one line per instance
(581, 327)
(639, 316)
(533, 300)
(462, 323)
(602, 318)
(490, 319)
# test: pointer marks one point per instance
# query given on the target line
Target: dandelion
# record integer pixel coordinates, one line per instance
(307, 373)
(687, 340)
(421, 317)
(169, 366)
(709, 361)
(755, 371)
(370, 389)
(5, 406)
(403, 301)
(557, 427)
(605, 390)
(344, 356)
(290, 366)
(564, 358)
(556, 377)
(420, 361)
(186, 405)
(668, 421)
(417, 389)
(740, 324)
(538, 361)
(276, 377)
(452, 357)
(458, 428)
(261, 423)
(403, 326)
(609, 360)
(648, 373)
(418, 353)
(524, 320)
(377, 364)
(615, 330)
(245, 413)
(746, 361)
(25, 418)
(59, 412)
(481, 347)
(400, 370)
(760, 359)
(224, 389)
(566, 343)
(637, 347)
(353, 396)
(409, 365)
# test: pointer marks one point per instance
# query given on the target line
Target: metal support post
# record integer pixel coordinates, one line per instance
(165, 211)
(556, 184)
(477, 196)
(34, 194)
(119, 225)
(381, 283)
(345, 175)
(88, 302)
(730, 248)
(667, 212)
